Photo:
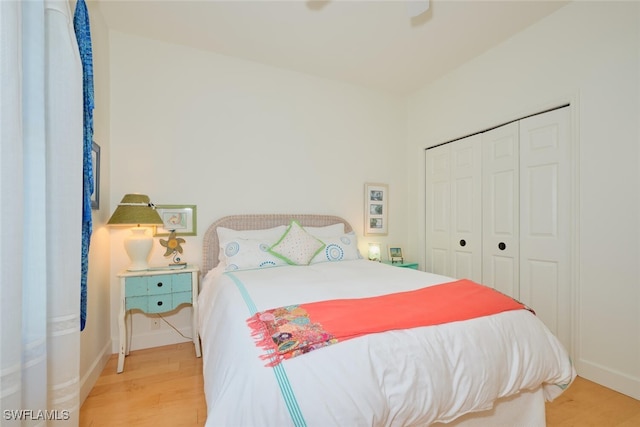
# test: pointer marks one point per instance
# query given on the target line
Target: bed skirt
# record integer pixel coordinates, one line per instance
(524, 409)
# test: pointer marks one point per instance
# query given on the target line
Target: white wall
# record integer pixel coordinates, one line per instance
(95, 339)
(233, 137)
(587, 53)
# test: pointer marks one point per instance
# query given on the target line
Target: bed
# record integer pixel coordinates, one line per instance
(487, 371)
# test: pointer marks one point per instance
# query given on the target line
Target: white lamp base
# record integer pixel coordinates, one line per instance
(138, 246)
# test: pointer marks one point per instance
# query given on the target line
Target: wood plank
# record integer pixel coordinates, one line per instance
(163, 386)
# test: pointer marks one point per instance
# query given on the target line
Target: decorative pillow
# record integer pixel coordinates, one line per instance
(244, 254)
(332, 230)
(340, 248)
(296, 246)
(226, 235)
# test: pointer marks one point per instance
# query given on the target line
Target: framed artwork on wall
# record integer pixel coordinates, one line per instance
(376, 197)
(181, 218)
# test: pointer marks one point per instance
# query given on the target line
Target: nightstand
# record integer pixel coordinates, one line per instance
(413, 265)
(157, 291)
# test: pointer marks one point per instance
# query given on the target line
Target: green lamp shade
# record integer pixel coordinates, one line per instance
(135, 209)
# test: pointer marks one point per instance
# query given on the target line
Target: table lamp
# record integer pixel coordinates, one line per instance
(374, 251)
(136, 210)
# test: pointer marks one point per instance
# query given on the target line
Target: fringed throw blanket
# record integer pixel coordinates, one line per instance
(290, 331)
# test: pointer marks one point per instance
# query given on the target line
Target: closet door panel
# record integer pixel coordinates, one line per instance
(454, 204)
(438, 200)
(501, 209)
(466, 208)
(543, 276)
(545, 219)
(502, 270)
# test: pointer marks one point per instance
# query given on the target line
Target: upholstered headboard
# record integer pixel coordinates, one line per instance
(211, 245)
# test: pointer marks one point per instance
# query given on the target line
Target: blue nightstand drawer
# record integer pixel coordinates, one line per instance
(160, 303)
(181, 298)
(159, 284)
(136, 286)
(181, 283)
(158, 293)
(153, 285)
(141, 303)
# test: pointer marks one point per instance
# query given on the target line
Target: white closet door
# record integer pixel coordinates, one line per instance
(438, 200)
(500, 209)
(454, 204)
(545, 219)
(466, 208)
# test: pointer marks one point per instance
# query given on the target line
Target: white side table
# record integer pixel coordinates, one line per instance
(157, 291)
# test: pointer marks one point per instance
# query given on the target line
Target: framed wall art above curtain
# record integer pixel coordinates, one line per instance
(376, 218)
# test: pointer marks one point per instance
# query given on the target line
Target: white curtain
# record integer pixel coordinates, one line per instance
(40, 213)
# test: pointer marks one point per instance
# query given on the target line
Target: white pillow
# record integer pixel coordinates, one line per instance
(340, 248)
(296, 246)
(332, 230)
(244, 254)
(225, 235)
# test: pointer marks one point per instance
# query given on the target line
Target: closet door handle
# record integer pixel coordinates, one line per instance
(502, 246)
(463, 242)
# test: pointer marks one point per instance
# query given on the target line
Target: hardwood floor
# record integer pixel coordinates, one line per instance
(587, 404)
(159, 386)
(163, 386)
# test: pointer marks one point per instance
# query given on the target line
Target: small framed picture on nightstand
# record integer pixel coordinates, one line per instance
(395, 254)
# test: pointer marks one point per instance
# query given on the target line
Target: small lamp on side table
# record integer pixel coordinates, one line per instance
(136, 210)
(374, 252)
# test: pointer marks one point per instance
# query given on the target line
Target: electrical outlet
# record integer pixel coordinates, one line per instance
(155, 323)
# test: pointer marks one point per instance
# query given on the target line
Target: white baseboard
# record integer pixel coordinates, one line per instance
(618, 381)
(90, 377)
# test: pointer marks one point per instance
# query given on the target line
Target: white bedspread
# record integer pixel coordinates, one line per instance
(398, 378)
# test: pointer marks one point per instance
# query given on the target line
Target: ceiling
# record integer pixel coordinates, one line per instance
(370, 43)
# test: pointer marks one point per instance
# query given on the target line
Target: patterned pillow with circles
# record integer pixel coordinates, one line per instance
(227, 235)
(245, 254)
(339, 248)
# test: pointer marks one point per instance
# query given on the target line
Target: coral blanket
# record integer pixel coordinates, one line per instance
(290, 331)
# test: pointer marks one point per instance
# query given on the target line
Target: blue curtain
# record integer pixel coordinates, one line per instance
(83, 36)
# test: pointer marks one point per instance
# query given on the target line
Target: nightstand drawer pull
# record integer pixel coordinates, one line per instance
(159, 284)
(159, 303)
(463, 242)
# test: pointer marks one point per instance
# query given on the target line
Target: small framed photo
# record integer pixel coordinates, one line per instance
(376, 198)
(178, 218)
(95, 165)
(395, 255)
